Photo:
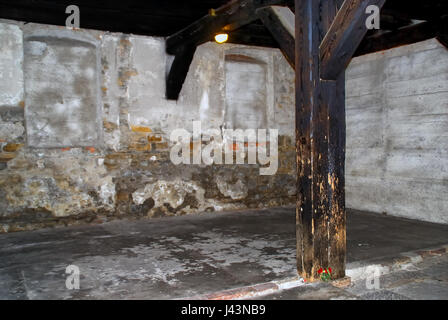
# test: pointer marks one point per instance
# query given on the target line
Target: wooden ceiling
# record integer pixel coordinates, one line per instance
(166, 17)
(150, 17)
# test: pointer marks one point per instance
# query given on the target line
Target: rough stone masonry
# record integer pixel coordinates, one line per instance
(85, 127)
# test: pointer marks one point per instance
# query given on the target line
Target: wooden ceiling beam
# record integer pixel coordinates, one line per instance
(344, 36)
(417, 10)
(234, 15)
(442, 31)
(253, 35)
(391, 22)
(280, 22)
(151, 17)
(403, 36)
(178, 72)
(443, 39)
(105, 20)
(228, 17)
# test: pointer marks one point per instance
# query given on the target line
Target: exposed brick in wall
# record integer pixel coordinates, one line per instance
(115, 163)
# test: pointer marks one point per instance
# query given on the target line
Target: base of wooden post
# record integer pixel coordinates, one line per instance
(342, 283)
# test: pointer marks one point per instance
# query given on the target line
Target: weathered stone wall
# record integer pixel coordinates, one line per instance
(397, 132)
(85, 126)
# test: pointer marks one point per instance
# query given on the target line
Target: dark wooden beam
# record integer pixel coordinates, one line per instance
(390, 22)
(183, 44)
(336, 158)
(226, 18)
(418, 10)
(442, 31)
(280, 22)
(307, 59)
(156, 18)
(320, 143)
(178, 72)
(443, 39)
(345, 34)
(391, 39)
(164, 18)
(253, 35)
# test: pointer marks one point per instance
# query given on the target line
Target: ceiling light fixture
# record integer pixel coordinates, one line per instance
(221, 37)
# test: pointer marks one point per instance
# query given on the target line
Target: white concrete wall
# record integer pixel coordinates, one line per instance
(397, 132)
(11, 60)
(62, 87)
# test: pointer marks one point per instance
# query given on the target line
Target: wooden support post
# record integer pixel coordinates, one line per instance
(336, 159)
(320, 143)
(336, 178)
(178, 72)
(280, 22)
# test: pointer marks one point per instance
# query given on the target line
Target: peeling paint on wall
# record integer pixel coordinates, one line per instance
(96, 150)
(62, 94)
(11, 60)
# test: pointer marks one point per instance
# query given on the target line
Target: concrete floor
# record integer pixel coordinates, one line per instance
(427, 280)
(186, 256)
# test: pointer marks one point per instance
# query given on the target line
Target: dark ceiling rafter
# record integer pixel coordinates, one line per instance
(149, 17)
(442, 31)
(387, 40)
(178, 72)
(253, 34)
(229, 17)
(241, 17)
(344, 36)
(280, 22)
(234, 15)
(164, 18)
(400, 24)
(443, 39)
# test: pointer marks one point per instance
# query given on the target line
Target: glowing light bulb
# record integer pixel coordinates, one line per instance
(221, 38)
